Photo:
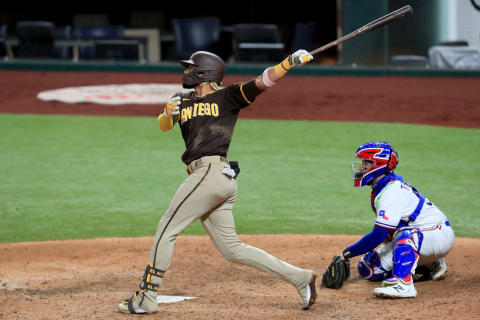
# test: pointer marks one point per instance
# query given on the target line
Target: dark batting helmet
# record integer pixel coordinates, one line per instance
(208, 67)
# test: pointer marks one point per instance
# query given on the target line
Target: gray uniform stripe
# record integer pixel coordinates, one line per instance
(175, 212)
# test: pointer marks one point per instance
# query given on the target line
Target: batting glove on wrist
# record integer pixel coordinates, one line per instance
(173, 106)
(300, 57)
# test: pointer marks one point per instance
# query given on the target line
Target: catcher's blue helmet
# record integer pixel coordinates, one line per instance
(377, 158)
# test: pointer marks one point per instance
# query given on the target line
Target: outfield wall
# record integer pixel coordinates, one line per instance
(232, 69)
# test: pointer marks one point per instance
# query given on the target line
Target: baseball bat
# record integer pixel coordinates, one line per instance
(378, 23)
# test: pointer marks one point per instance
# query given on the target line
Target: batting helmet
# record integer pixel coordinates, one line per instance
(377, 158)
(208, 67)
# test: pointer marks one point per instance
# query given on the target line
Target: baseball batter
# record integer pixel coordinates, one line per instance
(207, 117)
(414, 231)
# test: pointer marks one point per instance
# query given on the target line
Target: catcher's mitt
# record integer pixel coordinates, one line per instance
(337, 272)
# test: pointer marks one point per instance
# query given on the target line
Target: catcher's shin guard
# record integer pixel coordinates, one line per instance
(144, 301)
(406, 254)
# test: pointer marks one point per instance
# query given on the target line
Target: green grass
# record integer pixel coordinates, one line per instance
(82, 177)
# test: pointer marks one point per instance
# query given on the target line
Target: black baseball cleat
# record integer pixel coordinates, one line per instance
(127, 306)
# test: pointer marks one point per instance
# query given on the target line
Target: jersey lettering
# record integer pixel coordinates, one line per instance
(199, 109)
(403, 185)
(214, 107)
(207, 111)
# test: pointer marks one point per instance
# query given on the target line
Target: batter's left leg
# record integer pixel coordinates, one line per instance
(220, 226)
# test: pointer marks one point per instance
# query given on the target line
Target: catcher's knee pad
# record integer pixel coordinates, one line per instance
(370, 267)
(406, 252)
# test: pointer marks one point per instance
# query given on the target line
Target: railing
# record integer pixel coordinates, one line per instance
(76, 44)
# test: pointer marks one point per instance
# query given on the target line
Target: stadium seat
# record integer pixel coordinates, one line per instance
(196, 34)
(3, 44)
(63, 33)
(257, 43)
(117, 49)
(36, 39)
(457, 43)
(305, 37)
(112, 32)
(407, 61)
(104, 32)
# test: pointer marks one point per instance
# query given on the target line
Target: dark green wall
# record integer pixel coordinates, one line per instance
(366, 49)
(411, 36)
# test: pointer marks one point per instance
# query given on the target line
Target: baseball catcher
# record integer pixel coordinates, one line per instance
(206, 117)
(414, 231)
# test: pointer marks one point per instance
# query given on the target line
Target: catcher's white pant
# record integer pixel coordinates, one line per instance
(437, 242)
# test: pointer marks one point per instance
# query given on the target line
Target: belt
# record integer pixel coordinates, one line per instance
(197, 163)
(445, 223)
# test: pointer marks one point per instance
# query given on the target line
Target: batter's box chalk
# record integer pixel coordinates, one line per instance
(171, 299)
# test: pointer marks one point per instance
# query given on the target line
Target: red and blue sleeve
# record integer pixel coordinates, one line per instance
(369, 241)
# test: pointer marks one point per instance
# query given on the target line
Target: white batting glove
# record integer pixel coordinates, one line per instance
(173, 106)
(300, 57)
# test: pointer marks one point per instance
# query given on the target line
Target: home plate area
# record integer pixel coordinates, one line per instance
(171, 299)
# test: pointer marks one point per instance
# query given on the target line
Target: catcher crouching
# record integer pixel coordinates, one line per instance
(416, 235)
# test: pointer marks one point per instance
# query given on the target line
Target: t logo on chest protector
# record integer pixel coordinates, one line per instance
(199, 110)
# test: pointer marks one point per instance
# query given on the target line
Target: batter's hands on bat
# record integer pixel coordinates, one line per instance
(300, 57)
(173, 106)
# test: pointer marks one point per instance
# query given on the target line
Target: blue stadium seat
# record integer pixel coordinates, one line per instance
(305, 37)
(96, 33)
(257, 43)
(196, 34)
(103, 32)
(63, 33)
(3, 44)
(36, 39)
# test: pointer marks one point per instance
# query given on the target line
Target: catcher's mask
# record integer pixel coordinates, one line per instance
(377, 158)
(208, 67)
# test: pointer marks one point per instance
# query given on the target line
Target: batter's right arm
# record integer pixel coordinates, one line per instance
(272, 75)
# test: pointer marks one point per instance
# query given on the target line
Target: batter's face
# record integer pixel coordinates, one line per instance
(189, 69)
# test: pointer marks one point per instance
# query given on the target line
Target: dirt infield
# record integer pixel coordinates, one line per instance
(85, 279)
(437, 101)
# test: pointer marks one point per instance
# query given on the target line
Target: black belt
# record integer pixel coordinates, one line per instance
(197, 163)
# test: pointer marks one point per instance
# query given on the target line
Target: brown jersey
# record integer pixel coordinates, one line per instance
(207, 122)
